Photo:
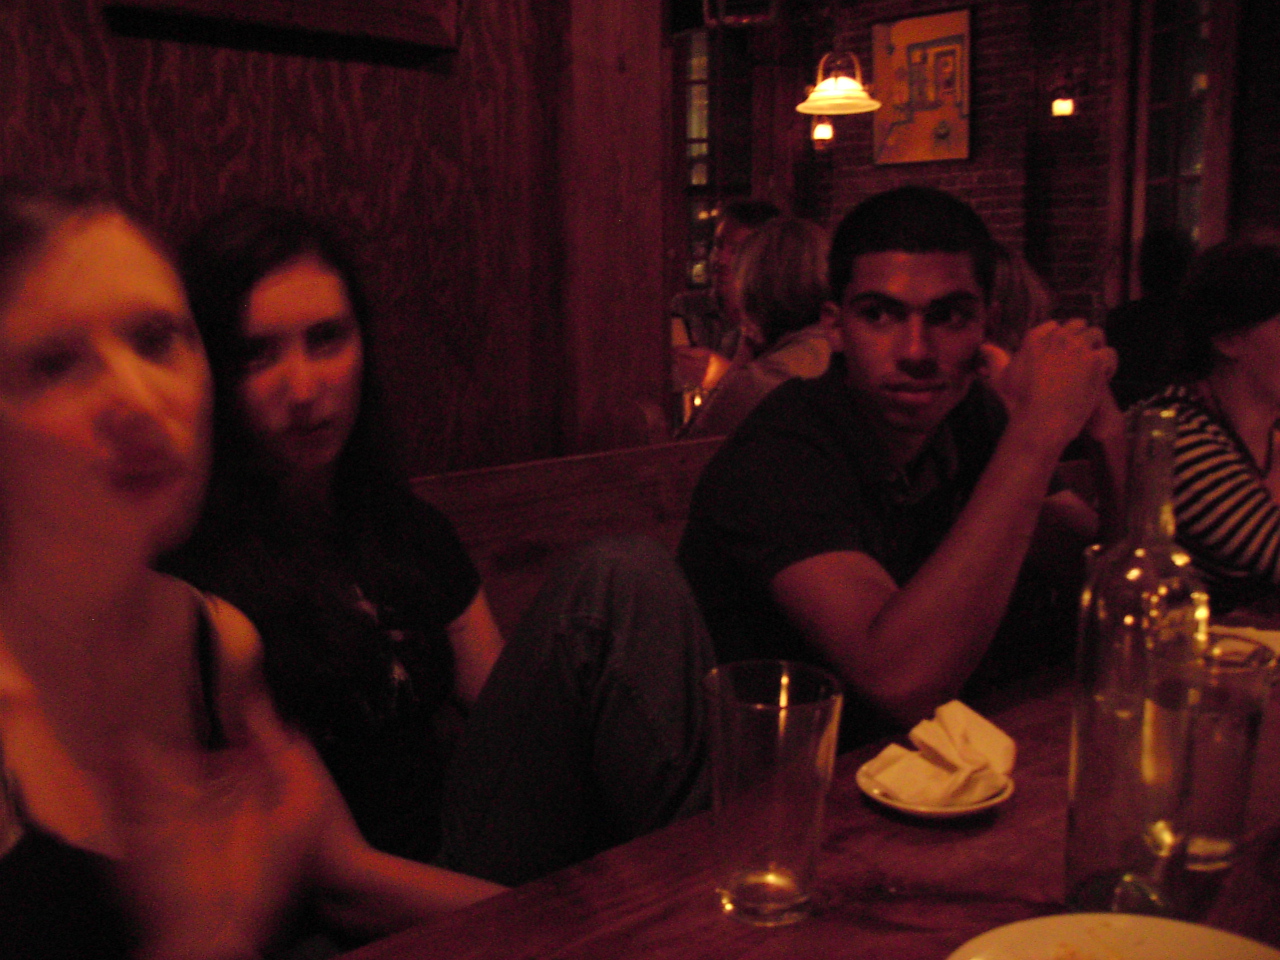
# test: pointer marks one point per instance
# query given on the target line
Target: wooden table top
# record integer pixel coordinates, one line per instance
(889, 886)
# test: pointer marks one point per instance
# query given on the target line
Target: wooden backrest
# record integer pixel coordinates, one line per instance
(517, 520)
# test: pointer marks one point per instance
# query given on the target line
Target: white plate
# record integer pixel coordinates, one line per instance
(872, 790)
(1110, 936)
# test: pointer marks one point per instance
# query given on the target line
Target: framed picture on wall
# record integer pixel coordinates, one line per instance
(921, 69)
(428, 23)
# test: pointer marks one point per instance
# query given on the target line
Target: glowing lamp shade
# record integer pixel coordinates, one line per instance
(1063, 107)
(839, 89)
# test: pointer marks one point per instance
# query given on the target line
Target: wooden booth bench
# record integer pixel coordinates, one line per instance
(517, 520)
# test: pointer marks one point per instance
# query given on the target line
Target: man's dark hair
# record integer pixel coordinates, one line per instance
(750, 213)
(911, 219)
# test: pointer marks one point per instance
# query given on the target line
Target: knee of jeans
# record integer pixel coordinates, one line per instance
(626, 552)
(623, 562)
(618, 586)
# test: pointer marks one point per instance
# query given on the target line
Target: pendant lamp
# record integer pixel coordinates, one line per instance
(839, 89)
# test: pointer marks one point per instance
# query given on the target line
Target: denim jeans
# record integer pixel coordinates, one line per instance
(591, 728)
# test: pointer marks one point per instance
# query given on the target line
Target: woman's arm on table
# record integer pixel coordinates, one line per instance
(369, 894)
(220, 845)
(364, 891)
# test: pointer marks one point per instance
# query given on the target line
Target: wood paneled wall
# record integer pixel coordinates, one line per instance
(504, 196)
(613, 127)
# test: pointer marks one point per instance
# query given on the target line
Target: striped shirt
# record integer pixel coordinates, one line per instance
(1226, 517)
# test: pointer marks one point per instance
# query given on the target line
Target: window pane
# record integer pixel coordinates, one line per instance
(1191, 150)
(1162, 211)
(696, 119)
(1197, 68)
(698, 174)
(1164, 67)
(1165, 13)
(702, 225)
(1189, 209)
(698, 56)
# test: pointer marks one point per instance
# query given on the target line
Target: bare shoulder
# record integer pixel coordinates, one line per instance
(239, 645)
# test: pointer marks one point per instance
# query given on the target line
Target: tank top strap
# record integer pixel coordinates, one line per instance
(214, 736)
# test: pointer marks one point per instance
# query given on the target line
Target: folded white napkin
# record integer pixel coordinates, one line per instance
(963, 758)
(1268, 638)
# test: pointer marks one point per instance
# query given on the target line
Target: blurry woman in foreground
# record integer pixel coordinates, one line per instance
(780, 285)
(155, 805)
(1227, 473)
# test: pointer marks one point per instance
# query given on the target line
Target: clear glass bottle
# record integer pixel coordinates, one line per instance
(1143, 625)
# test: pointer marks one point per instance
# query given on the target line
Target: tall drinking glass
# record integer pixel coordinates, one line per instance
(774, 727)
(1237, 678)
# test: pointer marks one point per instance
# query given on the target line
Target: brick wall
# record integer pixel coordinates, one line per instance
(1040, 182)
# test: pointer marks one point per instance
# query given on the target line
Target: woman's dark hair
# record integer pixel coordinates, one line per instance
(912, 219)
(326, 661)
(1231, 286)
(31, 213)
(221, 264)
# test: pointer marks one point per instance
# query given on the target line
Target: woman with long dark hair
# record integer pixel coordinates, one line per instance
(379, 641)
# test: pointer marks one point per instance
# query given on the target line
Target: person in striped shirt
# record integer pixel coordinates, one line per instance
(1227, 399)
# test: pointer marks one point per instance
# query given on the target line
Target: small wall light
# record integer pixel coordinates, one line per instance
(1063, 86)
(821, 132)
(839, 89)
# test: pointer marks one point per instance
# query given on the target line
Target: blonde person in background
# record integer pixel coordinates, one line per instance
(155, 805)
(706, 323)
(779, 281)
(1020, 300)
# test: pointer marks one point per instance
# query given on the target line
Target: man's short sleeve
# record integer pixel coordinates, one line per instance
(777, 498)
(779, 491)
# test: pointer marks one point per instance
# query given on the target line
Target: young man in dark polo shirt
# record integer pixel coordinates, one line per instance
(877, 519)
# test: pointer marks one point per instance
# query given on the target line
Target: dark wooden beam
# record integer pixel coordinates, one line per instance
(431, 23)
